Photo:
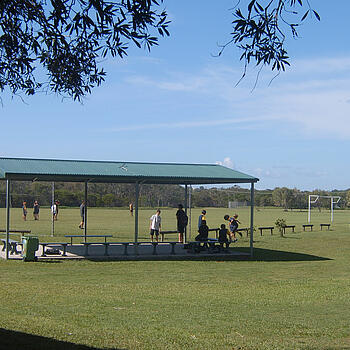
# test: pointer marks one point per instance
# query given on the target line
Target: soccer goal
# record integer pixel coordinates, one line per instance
(314, 198)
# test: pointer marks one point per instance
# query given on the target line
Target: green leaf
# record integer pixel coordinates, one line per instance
(316, 15)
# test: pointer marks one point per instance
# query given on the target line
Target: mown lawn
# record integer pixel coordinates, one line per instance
(295, 293)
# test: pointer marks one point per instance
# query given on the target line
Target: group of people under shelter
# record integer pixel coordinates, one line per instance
(225, 235)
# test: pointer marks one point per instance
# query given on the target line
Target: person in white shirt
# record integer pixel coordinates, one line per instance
(155, 225)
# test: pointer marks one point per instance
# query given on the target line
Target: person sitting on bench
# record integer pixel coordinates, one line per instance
(223, 233)
(203, 232)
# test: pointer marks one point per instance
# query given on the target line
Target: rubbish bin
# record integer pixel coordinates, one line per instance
(30, 246)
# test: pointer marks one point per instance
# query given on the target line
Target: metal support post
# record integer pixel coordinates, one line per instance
(52, 208)
(8, 204)
(251, 219)
(186, 206)
(137, 189)
(85, 209)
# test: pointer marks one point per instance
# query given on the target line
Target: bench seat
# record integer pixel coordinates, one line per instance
(266, 228)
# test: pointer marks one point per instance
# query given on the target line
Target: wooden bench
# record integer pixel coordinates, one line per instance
(266, 228)
(87, 236)
(308, 225)
(16, 231)
(288, 226)
(12, 245)
(325, 225)
(244, 229)
(63, 245)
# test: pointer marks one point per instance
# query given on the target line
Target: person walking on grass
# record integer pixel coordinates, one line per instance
(182, 221)
(24, 210)
(233, 225)
(82, 214)
(36, 209)
(155, 225)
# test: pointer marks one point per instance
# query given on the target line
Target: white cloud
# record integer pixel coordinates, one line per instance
(227, 162)
(244, 122)
(312, 99)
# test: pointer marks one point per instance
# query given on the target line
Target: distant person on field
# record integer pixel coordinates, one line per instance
(233, 225)
(54, 211)
(131, 208)
(155, 225)
(24, 210)
(82, 214)
(182, 221)
(36, 209)
(57, 202)
(223, 233)
(201, 217)
(203, 232)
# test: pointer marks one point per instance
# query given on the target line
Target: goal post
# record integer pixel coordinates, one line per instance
(313, 198)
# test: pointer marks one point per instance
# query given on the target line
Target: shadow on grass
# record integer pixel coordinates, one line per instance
(261, 254)
(12, 340)
(237, 254)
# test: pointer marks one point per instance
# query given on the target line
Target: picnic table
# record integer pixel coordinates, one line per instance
(325, 225)
(308, 225)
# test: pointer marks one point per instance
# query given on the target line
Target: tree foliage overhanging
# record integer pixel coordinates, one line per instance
(68, 38)
(58, 45)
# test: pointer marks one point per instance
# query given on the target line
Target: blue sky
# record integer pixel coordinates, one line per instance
(180, 104)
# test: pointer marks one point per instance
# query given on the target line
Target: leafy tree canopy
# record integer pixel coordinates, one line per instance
(57, 45)
(68, 38)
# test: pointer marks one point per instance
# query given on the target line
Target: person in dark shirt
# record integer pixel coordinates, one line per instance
(223, 233)
(203, 232)
(36, 209)
(182, 221)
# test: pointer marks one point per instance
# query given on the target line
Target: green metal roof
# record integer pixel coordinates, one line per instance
(118, 172)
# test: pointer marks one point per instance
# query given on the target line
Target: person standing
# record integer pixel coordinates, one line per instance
(201, 218)
(57, 202)
(36, 209)
(131, 209)
(182, 221)
(24, 210)
(82, 214)
(54, 211)
(155, 225)
(233, 225)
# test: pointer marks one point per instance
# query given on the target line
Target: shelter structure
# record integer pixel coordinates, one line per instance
(55, 170)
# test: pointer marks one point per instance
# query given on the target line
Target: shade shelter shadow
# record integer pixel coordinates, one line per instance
(261, 254)
(13, 340)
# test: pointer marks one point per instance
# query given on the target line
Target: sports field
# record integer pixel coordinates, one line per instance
(295, 293)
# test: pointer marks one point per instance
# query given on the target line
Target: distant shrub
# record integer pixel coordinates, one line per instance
(281, 224)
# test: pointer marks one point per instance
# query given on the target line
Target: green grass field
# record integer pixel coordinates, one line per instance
(295, 293)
